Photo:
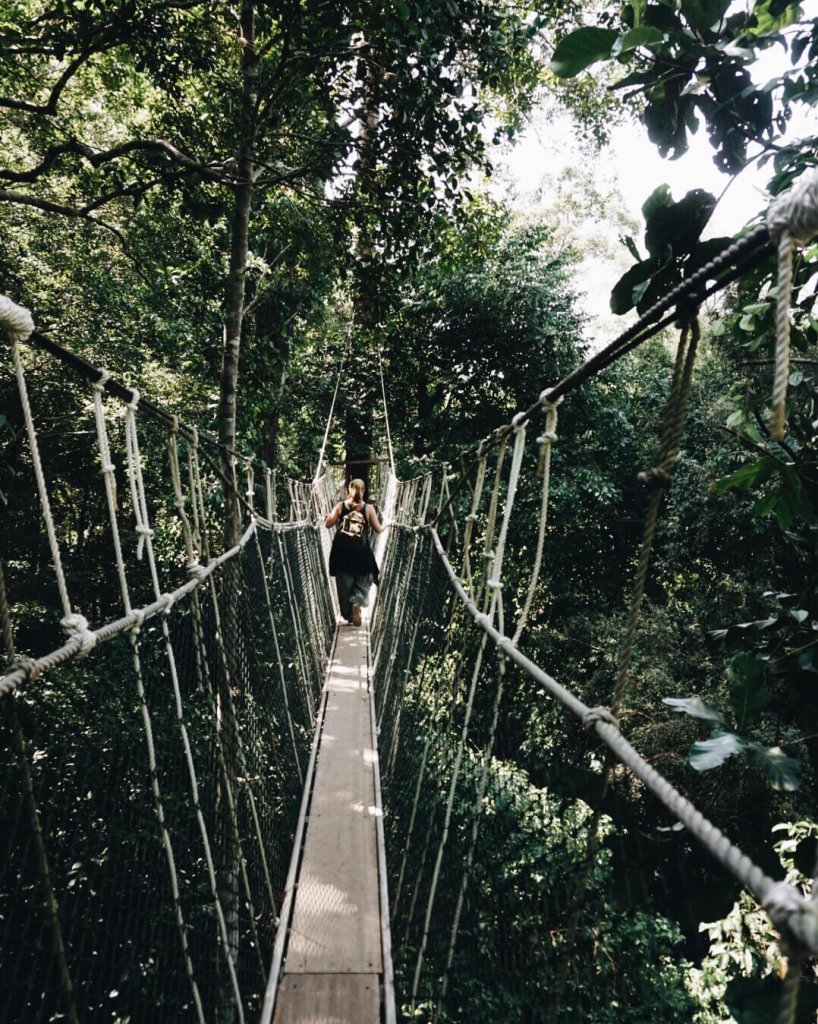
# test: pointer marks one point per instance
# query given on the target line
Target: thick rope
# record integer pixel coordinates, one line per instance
(320, 466)
(795, 917)
(386, 417)
(792, 220)
(159, 807)
(15, 321)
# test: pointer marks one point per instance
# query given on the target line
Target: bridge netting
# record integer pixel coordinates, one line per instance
(151, 763)
(151, 801)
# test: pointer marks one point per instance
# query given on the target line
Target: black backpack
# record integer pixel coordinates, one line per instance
(353, 528)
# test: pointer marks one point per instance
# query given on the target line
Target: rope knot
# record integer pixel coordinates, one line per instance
(107, 468)
(495, 584)
(28, 666)
(483, 620)
(796, 212)
(599, 714)
(16, 320)
(656, 476)
(138, 617)
(472, 517)
(102, 380)
(519, 420)
(76, 626)
(545, 399)
(196, 570)
(795, 919)
(548, 437)
(135, 399)
(169, 601)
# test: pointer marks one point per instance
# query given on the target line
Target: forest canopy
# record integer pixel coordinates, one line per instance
(223, 204)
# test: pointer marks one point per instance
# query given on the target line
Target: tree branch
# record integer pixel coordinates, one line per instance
(213, 172)
(21, 199)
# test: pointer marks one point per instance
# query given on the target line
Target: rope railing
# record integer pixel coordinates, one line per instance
(444, 645)
(164, 748)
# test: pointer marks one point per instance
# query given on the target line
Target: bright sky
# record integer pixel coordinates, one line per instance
(632, 164)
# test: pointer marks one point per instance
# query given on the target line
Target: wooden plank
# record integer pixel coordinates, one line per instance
(328, 999)
(336, 925)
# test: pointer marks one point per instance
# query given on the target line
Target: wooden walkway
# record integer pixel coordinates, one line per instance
(333, 964)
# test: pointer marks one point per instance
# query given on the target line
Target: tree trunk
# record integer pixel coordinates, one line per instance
(231, 683)
(358, 424)
(239, 244)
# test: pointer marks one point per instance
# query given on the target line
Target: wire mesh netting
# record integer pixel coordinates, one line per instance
(149, 791)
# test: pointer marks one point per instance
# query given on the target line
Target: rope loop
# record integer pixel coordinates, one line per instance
(135, 398)
(545, 399)
(194, 436)
(174, 424)
(549, 437)
(16, 320)
(495, 584)
(655, 477)
(519, 421)
(796, 212)
(76, 626)
(102, 380)
(138, 616)
(599, 714)
(196, 570)
(169, 601)
(472, 517)
(23, 663)
(795, 919)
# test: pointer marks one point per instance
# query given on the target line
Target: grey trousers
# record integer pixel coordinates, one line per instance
(352, 590)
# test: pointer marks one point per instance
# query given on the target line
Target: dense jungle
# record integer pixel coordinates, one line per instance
(221, 204)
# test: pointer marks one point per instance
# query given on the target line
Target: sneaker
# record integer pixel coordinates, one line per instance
(356, 614)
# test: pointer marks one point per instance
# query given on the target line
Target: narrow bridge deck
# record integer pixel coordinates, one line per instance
(335, 952)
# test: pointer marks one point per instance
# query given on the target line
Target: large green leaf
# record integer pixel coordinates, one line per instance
(581, 48)
(748, 692)
(625, 292)
(747, 476)
(642, 35)
(712, 752)
(696, 708)
(782, 772)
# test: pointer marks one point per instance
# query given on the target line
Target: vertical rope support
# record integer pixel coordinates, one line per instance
(110, 491)
(658, 477)
(42, 489)
(788, 1007)
(143, 528)
(386, 417)
(792, 220)
(546, 440)
(50, 904)
(320, 465)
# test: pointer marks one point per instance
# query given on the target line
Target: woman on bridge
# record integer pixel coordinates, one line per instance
(351, 560)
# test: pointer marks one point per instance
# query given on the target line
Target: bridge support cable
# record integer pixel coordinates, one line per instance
(169, 742)
(446, 714)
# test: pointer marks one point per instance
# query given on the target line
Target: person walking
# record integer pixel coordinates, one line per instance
(351, 559)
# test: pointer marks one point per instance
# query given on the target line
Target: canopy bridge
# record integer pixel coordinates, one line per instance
(219, 806)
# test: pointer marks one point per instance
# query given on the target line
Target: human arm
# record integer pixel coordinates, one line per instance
(374, 522)
(334, 516)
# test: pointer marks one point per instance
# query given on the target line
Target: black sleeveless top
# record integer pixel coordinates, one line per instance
(344, 557)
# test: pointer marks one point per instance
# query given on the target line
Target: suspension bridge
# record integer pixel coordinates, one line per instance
(219, 805)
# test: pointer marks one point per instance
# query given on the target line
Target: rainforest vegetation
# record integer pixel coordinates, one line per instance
(219, 202)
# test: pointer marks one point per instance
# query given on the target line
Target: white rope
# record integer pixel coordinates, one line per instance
(386, 417)
(320, 465)
(792, 220)
(140, 508)
(15, 320)
(42, 490)
(795, 917)
(545, 441)
(147, 724)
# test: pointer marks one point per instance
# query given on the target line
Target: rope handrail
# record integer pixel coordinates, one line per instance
(793, 914)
